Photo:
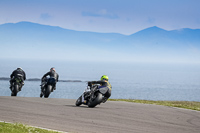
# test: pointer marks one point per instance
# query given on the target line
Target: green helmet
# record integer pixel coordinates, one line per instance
(104, 77)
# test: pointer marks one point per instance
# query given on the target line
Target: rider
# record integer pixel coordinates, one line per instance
(103, 83)
(18, 73)
(52, 73)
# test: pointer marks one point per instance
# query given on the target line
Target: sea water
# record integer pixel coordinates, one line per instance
(149, 81)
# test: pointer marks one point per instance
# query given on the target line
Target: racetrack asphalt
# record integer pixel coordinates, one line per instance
(109, 117)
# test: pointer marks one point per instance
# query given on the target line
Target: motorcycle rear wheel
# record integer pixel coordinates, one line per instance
(15, 90)
(97, 100)
(47, 91)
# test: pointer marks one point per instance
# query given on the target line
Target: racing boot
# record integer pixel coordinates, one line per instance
(53, 88)
(104, 99)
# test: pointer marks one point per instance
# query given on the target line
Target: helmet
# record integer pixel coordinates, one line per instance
(53, 69)
(19, 68)
(104, 77)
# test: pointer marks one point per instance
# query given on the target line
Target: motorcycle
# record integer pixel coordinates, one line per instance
(16, 86)
(92, 96)
(47, 86)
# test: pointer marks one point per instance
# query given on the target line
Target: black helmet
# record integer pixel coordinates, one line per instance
(19, 68)
(53, 69)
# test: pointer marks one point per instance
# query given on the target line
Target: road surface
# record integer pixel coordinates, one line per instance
(110, 117)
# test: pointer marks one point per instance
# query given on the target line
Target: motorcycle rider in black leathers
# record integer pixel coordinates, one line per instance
(52, 73)
(103, 83)
(20, 74)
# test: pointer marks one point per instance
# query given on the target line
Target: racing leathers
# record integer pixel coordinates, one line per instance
(51, 74)
(17, 74)
(103, 84)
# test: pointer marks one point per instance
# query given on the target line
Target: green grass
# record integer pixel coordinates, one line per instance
(180, 104)
(20, 128)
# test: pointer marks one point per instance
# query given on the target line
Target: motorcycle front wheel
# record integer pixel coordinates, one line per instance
(79, 101)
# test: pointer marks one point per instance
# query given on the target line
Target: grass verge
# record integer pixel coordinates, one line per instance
(20, 128)
(180, 104)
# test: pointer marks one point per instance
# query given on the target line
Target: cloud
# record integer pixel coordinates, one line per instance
(45, 16)
(101, 13)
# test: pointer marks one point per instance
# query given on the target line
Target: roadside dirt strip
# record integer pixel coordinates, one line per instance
(111, 117)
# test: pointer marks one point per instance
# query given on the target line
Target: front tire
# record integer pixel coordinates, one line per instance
(79, 101)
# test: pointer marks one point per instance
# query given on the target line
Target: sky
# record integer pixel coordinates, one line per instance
(105, 16)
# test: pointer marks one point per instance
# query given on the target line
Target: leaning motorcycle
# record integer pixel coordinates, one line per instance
(16, 86)
(47, 86)
(92, 96)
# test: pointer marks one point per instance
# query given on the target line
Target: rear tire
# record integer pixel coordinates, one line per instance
(96, 101)
(15, 90)
(47, 91)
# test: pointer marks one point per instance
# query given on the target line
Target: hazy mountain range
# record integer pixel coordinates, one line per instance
(35, 41)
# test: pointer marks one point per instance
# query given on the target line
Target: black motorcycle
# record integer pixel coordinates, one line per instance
(92, 96)
(47, 86)
(16, 86)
